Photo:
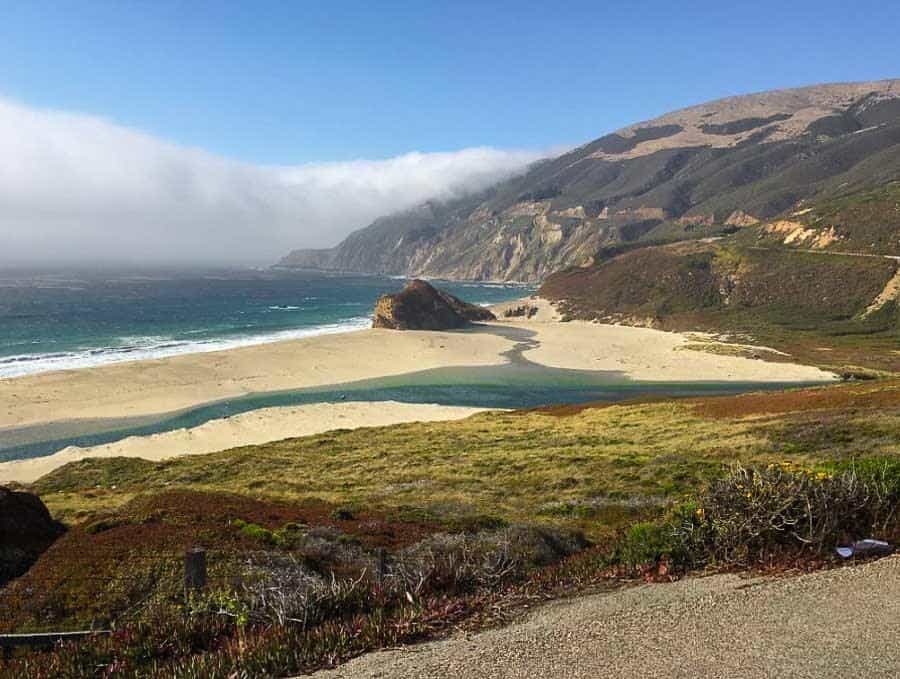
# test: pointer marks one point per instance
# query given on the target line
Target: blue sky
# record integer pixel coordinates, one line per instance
(295, 82)
(237, 131)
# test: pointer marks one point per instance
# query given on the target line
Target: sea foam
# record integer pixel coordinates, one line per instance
(152, 347)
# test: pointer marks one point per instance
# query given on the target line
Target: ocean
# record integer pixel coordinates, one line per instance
(56, 320)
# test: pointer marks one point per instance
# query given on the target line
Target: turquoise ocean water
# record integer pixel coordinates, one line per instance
(54, 320)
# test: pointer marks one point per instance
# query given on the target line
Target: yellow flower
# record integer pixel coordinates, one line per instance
(699, 512)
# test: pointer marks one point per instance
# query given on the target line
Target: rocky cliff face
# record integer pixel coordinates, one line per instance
(420, 306)
(701, 171)
(26, 530)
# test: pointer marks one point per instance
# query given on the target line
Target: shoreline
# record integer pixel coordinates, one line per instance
(151, 347)
(162, 386)
(151, 388)
(101, 357)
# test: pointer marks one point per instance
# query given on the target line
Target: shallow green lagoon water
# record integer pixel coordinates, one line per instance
(517, 384)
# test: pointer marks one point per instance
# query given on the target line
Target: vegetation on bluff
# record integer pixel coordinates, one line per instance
(813, 306)
(324, 547)
(863, 221)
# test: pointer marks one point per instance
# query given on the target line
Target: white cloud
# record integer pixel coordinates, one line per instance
(78, 187)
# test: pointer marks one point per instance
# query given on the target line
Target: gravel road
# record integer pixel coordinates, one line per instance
(839, 623)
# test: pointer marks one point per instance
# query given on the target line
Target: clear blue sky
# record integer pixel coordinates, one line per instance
(293, 82)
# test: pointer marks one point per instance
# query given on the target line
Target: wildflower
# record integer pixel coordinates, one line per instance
(700, 513)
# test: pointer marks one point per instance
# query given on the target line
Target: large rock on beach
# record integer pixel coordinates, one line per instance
(421, 306)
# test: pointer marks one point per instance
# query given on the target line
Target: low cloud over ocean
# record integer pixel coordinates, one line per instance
(79, 187)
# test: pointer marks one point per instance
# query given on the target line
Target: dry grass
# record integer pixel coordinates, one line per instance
(603, 462)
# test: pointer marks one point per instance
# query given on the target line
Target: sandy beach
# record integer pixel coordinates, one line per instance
(260, 426)
(641, 353)
(166, 385)
(170, 384)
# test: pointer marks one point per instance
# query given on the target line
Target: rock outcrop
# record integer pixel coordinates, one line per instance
(26, 530)
(420, 306)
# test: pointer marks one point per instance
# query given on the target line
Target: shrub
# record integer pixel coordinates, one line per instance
(256, 532)
(752, 515)
(343, 514)
(646, 544)
(462, 562)
(281, 589)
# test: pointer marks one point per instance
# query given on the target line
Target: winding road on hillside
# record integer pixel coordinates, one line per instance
(838, 623)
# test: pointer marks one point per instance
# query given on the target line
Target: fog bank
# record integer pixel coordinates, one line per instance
(77, 187)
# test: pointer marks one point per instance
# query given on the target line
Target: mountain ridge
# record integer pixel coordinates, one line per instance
(702, 171)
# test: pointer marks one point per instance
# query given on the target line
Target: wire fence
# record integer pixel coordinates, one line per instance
(192, 566)
(194, 569)
(166, 573)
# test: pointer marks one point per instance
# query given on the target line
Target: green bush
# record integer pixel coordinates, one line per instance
(343, 514)
(646, 544)
(256, 532)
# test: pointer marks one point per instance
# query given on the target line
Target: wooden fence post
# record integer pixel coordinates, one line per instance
(194, 569)
(382, 565)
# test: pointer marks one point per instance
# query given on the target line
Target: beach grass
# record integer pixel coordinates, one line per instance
(595, 468)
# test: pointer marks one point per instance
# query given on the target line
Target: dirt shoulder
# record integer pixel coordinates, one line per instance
(834, 623)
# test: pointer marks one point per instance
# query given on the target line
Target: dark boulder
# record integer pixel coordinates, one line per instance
(420, 306)
(26, 530)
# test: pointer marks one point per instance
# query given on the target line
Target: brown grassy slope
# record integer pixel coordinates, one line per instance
(810, 305)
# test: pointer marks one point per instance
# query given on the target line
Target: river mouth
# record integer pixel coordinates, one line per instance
(518, 383)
